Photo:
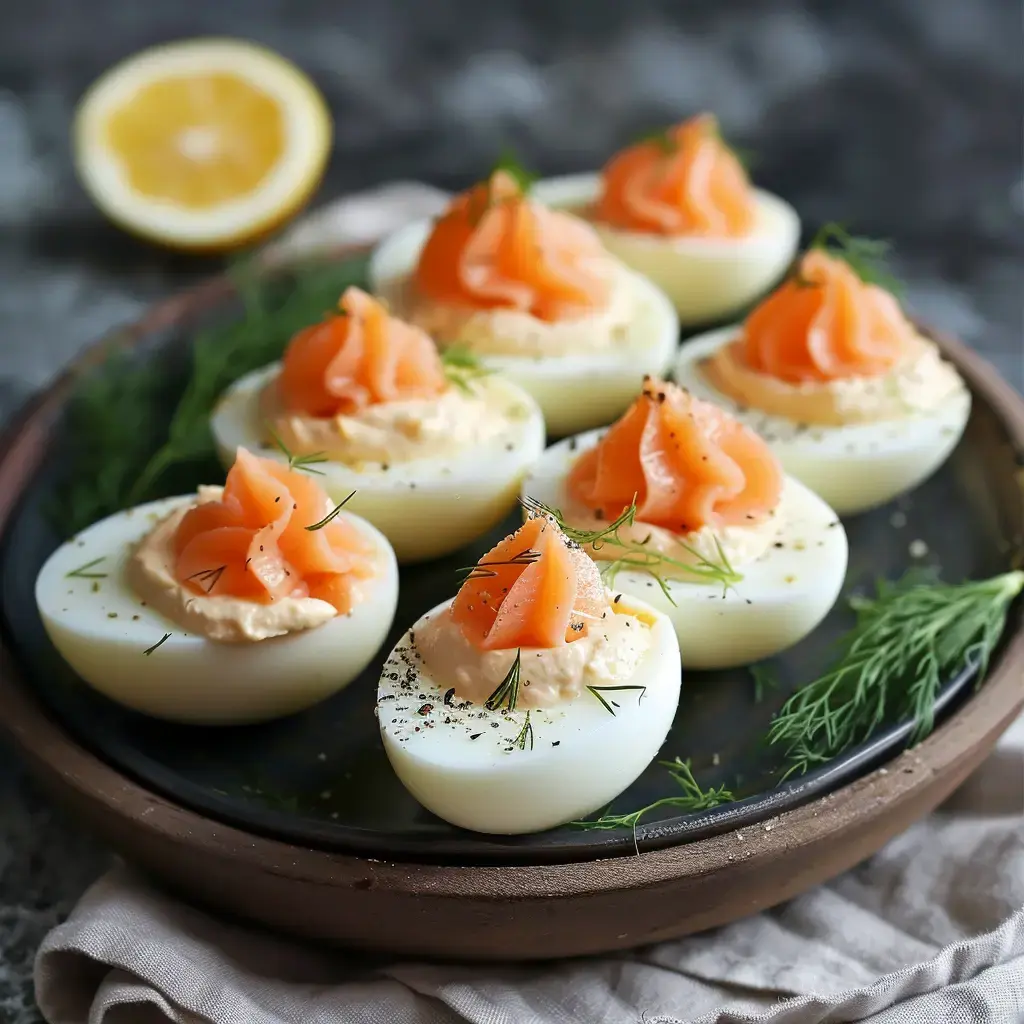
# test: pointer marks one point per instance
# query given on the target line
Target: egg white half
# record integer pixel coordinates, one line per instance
(706, 278)
(425, 507)
(855, 467)
(477, 769)
(574, 391)
(782, 597)
(102, 629)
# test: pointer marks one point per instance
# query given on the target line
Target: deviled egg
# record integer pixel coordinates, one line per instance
(853, 399)
(236, 604)
(533, 294)
(678, 208)
(434, 452)
(688, 509)
(532, 698)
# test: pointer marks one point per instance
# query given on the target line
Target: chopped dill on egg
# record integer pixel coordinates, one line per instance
(660, 137)
(636, 555)
(332, 514)
(161, 641)
(462, 367)
(525, 734)
(306, 463)
(209, 578)
(84, 572)
(511, 164)
(866, 257)
(610, 705)
(665, 140)
(484, 570)
(506, 693)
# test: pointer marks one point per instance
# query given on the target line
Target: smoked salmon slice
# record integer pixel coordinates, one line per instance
(495, 248)
(825, 323)
(254, 543)
(360, 357)
(687, 462)
(533, 589)
(685, 181)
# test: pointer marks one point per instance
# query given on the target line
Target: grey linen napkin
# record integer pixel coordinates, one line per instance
(931, 929)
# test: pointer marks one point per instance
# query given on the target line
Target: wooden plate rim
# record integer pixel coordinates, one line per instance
(62, 763)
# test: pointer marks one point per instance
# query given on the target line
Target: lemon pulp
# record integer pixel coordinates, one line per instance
(197, 140)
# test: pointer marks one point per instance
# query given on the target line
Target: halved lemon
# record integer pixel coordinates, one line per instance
(202, 144)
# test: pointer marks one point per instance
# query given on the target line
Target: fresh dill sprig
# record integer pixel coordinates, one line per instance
(609, 704)
(160, 642)
(866, 257)
(692, 798)
(636, 556)
(506, 693)
(462, 367)
(137, 433)
(209, 578)
(485, 570)
(306, 463)
(593, 538)
(332, 514)
(525, 734)
(908, 640)
(660, 137)
(747, 157)
(664, 139)
(511, 164)
(84, 572)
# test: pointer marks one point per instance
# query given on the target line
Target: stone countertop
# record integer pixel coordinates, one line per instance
(900, 119)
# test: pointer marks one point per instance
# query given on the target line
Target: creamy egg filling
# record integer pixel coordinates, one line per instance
(512, 332)
(668, 552)
(391, 432)
(739, 544)
(921, 382)
(609, 654)
(224, 618)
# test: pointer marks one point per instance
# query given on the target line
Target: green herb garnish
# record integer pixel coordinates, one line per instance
(660, 137)
(485, 570)
(209, 578)
(692, 798)
(636, 556)
(462, 367)
(908, 641)
(525, 734)
(866, 257)
(332, 514)
(509, 163)
(83, 572)
(665, 140)
(506, 694)
(123, 449)
(162, 640)
(610, 705)
(306, 463)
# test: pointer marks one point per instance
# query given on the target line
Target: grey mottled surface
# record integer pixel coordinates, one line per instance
(902, 118)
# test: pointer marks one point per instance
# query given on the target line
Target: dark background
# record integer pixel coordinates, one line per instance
(901, 117)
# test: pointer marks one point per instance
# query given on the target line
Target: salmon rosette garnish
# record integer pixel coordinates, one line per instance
(855, 400)
(533, 294)
(682, 504)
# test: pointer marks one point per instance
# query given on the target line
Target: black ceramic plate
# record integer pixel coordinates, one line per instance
(321, 778)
